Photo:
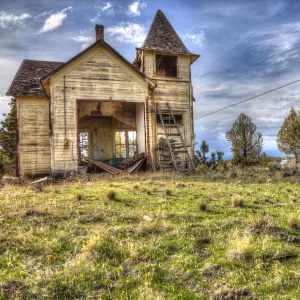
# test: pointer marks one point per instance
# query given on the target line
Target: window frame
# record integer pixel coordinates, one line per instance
(155, 66)
(126, 142)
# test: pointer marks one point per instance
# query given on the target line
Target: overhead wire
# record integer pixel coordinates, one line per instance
(248, 99)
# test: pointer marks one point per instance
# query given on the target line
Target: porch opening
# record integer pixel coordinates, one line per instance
(111, 132)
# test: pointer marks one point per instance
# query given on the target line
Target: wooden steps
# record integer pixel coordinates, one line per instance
(170, 148)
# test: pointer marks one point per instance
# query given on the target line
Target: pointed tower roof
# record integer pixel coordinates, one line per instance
(163, 38)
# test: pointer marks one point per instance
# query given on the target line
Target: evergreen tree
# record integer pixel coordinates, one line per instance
(246, 143)
(8, 134)
(204, 149)
(288, 138)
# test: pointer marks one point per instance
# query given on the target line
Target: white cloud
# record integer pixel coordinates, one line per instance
(10, 20)
(55, 20)
(196, 38)
(134, 8)
(107, 9)
(85, 40)
(127, 32)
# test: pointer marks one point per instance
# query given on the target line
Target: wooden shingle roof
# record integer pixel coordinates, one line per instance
(27, 80)
(162, 37)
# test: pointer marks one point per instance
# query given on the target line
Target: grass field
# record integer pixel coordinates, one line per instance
(150, 237)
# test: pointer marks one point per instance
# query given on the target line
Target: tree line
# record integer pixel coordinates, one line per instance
(247, 143)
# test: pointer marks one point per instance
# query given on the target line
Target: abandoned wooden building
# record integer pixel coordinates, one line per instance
(99, 106)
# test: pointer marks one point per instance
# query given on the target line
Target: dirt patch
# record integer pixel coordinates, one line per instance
(232, 294)
(13, 289)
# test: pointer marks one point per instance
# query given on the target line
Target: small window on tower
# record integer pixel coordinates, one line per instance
(166, 65)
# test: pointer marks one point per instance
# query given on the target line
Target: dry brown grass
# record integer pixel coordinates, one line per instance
(237, 201)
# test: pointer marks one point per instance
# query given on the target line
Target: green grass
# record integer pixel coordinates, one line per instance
(92, 241)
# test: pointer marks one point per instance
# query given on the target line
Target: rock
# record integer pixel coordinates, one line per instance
(8, 179)
(147, 218)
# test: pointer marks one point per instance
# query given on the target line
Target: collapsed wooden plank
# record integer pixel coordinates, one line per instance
(103, 166)
(136, 166)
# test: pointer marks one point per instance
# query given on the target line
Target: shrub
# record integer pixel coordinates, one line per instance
(203, 206)
(168, 192)
(111, 195)
(79, 197)
(237, 201)
(293, 223)
(273, 167)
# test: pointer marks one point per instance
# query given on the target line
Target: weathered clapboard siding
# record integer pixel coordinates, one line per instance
(176, 91)
(34, 140)
(183, 67)
(96, 75)
(177, 94)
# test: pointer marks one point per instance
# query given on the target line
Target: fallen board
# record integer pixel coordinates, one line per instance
(136, 166)
(103, 166)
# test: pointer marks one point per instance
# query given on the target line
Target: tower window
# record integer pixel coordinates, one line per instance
(166, 65)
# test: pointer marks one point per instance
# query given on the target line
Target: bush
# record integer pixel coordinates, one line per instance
(237, 201)
(111, 195)
(273, 167)
(203, 206)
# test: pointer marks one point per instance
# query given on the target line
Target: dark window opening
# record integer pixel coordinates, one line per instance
(178, 118)
(166, 65)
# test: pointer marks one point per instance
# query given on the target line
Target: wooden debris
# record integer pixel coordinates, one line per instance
(136, 166)
(103, 166)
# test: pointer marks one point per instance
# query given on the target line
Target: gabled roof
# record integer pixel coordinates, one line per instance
(163, 38)
(107, 46)
(27, 80)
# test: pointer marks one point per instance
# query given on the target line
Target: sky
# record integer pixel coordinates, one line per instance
(247, 47)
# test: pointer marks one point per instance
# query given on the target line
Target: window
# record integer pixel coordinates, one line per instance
(125, 144)
(166, 65)
(120, 144)
(84, 144)
(178, 118)
(131, 143)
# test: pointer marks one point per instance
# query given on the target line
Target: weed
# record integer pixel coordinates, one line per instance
(237, 201)
(111, 195)
(293, 223)
(203, 206)
(79, 197)
(168, 192)
(135, 187)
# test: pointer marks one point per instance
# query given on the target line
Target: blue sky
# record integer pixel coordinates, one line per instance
(58, 30)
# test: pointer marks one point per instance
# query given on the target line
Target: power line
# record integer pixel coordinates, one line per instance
(228, 69)
(248, 99)
(248, 37)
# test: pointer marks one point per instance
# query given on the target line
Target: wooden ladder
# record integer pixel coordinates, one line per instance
(175, 147)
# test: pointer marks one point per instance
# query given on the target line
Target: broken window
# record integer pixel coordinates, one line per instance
(131, 143)
(84, 144)
(166, 65)
(125, 144)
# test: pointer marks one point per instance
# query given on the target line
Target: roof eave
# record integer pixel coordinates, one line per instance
(193, 56)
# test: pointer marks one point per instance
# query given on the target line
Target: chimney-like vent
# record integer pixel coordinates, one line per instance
(99, 32)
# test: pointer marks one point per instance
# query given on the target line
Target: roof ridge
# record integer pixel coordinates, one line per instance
(162, 36)
(47, 61)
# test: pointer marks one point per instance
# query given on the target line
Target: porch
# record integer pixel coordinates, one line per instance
(110, 132)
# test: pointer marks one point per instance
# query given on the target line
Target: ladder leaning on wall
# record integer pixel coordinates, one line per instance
(174, 150)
